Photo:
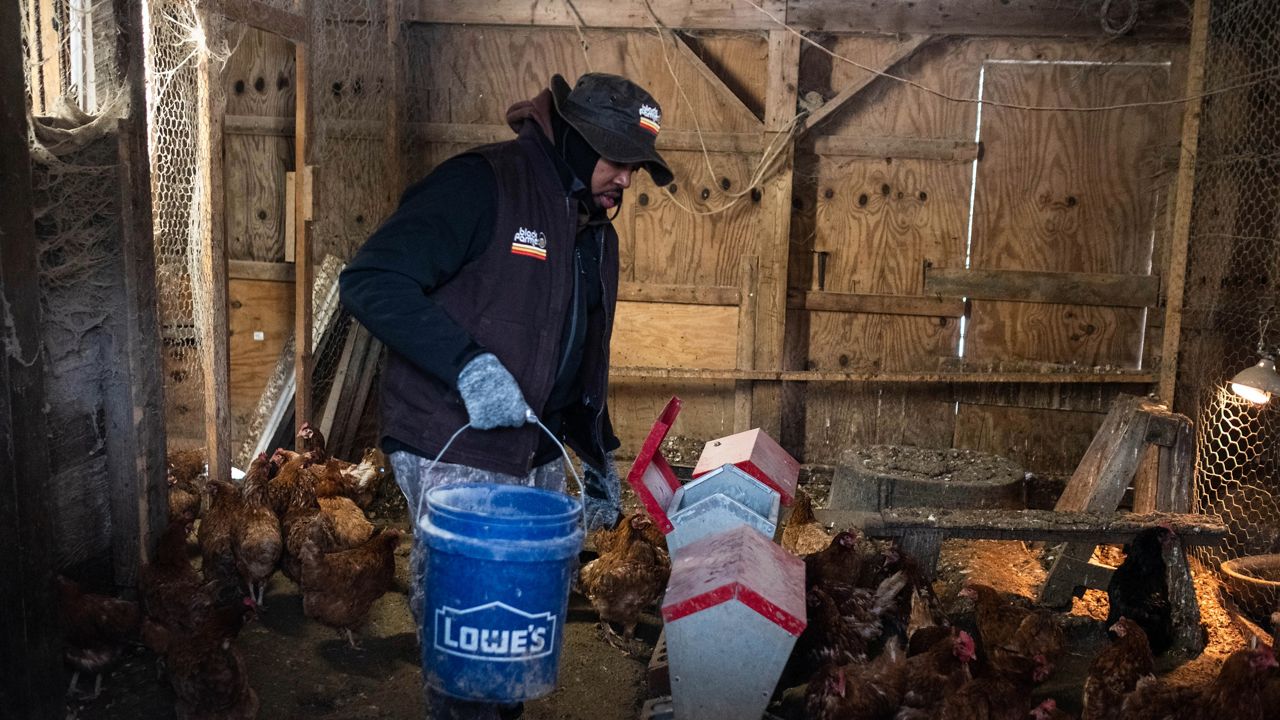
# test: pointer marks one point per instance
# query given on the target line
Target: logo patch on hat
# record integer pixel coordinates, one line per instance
(650, 118)
(529, 243)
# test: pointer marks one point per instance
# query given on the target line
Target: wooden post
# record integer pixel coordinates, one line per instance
(50, 55)
(395, 118)
(30, 655)
(746, 342)
(1176, 274)
(303, 275)
(211, 288)
(140, 497)
(775, 229)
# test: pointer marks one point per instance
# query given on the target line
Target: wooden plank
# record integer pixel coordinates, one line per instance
(258, 125)
(718, 85)
(147, 425)
(905, 48)
(1045, 287)
(353, 350)
(395, 138)
(1047, 525)
(31, 655)
(263, 16)
(987, 18)
(259, 324)
(705, 15)
(51, 44)
(1177, 269)
(255, 191)
(1040, 440)
(1165, 19)
(822, 376)
(679, 294)
(692, 336)
(348, 426)
(746, 343)
(1108, 466)
(211, 292)
(464, 134)
(259, 79)
(290, 215)
(883, 304)
(253, 270)
(773, 246)
(302, 154)
(939, 149)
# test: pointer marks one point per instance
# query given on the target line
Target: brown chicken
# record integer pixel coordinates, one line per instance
(836, 567)
(96, 629)
(1014, 638)
(220, 518)
(936, 673)
(256, 542)
(1116, 670)
(861, 691)
(1004, 694)
(335, 477)
(289, 483)
(629, 575)
(186, 472)
(207, 674)
(169, 582)
(1235, 693)
(803, 534)
(338, 588)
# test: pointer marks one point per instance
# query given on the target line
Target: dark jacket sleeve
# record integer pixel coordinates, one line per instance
(443, 222)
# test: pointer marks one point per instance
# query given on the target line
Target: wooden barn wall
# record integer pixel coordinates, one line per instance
(258, 154)
(1055, 192)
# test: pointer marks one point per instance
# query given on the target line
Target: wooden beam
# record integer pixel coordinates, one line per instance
(1018, 18)
(1044, 287)
(702, 15)
(254, 270)
(464, 134)
(905, 49)
(302, 150)
(31, 654)
(898, 148)
(718, 86)
(1047, 525)
(921, 305)
(822, 376)
(1162, 19)
(50, 56)
(395, 146)
(773, 245)
(1177, 271)
(211, 291)
(679, 294)
(260, 15)
(746, 342)
(144, 421)
(258, 125)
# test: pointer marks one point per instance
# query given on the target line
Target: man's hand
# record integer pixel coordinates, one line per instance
(602, 495)
(491, 394)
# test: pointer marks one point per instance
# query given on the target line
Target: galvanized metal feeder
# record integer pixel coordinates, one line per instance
(719, 500)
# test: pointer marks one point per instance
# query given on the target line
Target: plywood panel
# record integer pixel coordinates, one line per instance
(840, 417)
(1044, 441)
(635, 403)
(256, 306)
(1067, 192)
(667, 335)
(259, 76)
(256, 166)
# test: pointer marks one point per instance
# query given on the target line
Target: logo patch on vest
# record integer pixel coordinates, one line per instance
(530, 243)
(494, 632)
(650, 118)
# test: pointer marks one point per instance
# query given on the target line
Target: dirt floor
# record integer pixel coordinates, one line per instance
(302, 669)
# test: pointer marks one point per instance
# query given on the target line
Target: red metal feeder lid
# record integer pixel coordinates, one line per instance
(651, 476)
(756, 454)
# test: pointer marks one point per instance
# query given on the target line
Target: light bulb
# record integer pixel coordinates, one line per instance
(1252, 394)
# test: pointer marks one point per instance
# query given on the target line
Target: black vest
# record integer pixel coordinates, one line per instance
(513, 300)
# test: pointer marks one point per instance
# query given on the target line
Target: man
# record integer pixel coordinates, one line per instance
(493, 286)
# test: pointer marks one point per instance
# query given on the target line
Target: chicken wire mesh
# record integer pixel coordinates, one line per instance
(1231, 289)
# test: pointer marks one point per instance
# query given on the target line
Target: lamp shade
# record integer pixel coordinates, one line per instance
(1258, 383)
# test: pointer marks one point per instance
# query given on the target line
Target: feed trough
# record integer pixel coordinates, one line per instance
(883, 476)
(1253, 583)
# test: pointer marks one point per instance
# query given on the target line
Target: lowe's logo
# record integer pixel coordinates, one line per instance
(494, 631)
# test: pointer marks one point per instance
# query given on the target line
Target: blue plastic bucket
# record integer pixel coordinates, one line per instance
(499, 562)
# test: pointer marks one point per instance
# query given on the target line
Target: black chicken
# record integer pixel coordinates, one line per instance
(1138, 589)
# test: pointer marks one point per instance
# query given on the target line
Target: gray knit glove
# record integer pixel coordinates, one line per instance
(602, 495)
(492, 396)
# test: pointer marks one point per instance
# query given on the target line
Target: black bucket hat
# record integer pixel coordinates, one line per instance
(617, 117)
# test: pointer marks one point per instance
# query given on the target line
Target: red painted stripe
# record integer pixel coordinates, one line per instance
(518, 250)
(743, 594)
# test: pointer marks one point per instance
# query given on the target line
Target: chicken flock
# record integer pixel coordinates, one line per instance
(877, 646)
(298, 511)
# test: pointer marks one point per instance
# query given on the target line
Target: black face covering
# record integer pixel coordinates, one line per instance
(578, 155)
